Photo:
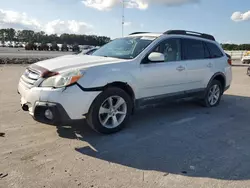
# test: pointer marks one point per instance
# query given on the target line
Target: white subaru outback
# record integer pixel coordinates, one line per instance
(137, 70)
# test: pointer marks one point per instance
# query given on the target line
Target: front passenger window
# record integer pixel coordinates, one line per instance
(171, 48)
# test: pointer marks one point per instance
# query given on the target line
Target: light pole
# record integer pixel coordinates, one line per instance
(123, 7)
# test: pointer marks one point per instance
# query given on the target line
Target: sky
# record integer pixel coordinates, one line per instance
(227, 20)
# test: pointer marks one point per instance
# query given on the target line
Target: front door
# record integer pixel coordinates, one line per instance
(160, 78)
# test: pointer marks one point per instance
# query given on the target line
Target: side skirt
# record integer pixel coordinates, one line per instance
(197, 93)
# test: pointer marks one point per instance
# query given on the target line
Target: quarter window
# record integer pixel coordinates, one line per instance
(215, 52)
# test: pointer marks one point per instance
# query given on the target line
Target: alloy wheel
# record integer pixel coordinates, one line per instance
(112, 112)
(214, 95)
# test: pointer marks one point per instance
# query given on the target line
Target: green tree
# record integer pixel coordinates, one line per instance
(40, 37)
(10, 34)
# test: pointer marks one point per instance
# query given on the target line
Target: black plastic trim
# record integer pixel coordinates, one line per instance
(60, 115)
(196, 93)
(90, 89)
(190, 33)
(226, 88)
(138, 33)
(217, 74)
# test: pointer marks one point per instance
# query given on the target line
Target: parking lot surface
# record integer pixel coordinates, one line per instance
(22, 53)
(173, 145)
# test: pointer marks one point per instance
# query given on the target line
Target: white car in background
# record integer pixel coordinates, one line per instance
(129, 72)
(246, 58)
(88, 51)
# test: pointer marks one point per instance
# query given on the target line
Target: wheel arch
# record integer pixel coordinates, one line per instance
(221, 78)
(122, 85)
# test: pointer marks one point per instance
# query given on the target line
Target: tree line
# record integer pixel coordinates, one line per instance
(231, 47)
(30, 36)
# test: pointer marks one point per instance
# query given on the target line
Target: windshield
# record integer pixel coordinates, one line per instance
(124, 48)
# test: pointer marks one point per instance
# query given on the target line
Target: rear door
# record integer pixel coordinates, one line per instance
(198, 62)
(219, 61)
(217, 57)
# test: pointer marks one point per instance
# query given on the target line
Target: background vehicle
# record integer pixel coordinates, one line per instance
(137, 70)
(54, 47)
(65, 48)
(246, 58)
(30, 46)
(75, 48)
(43, 47)
(88, 51)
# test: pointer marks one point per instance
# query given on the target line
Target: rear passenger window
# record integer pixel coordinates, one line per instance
(193, 49)
(215, 52)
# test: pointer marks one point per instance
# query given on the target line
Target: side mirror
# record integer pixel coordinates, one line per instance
(156, 57)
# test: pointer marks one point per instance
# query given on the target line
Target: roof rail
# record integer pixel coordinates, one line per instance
(137, 33)
(190, 33)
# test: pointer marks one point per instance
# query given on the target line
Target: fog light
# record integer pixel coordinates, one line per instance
(48, 114)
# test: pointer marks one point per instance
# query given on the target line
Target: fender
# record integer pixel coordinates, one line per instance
(100, 81)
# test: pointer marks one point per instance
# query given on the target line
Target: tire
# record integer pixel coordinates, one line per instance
(96, 119)
(207, 99)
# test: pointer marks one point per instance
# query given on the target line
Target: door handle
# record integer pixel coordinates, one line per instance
(180, 68)
(209, 65)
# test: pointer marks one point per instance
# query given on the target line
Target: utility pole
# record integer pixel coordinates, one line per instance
(123, 7)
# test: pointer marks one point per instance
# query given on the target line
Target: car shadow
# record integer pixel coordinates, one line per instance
(178, 138)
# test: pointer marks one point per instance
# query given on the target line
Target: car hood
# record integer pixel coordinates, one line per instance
(75, 61)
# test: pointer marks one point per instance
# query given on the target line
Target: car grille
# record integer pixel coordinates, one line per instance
(29, 78)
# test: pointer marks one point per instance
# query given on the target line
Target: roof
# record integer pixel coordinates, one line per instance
(177, 32)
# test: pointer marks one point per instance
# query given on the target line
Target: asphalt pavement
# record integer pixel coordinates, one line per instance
(22, 53)
(180, 145)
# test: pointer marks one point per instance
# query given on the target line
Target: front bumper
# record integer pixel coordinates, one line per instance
(59, 114)
(70, 103)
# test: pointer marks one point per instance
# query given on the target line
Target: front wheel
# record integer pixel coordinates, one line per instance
(110, 111)
(213, 94)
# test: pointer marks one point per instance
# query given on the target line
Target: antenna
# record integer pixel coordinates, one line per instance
(123, 17)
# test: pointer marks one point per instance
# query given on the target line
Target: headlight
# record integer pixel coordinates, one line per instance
(63, 79)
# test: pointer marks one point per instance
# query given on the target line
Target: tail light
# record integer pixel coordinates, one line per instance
(229, 61)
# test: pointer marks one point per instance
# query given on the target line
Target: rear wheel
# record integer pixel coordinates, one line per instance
(213, 94)
(110, 111)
